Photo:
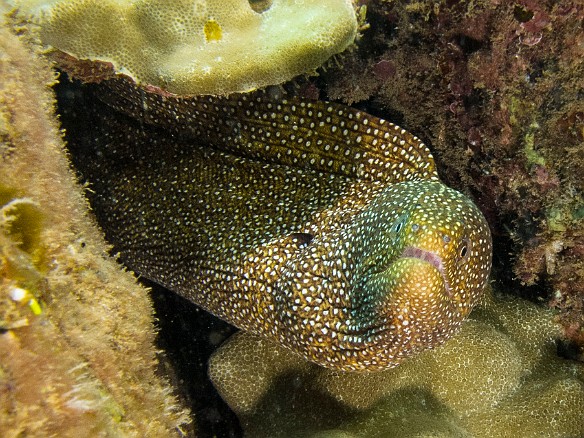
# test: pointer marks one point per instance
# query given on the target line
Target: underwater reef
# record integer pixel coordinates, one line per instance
(500, 376)
(495, 89)
(77, 354)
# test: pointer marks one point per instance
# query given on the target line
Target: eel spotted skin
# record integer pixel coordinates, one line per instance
(313, 224)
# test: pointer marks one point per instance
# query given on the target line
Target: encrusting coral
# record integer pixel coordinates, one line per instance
(500, 376)
(76, 334)
(198, 46)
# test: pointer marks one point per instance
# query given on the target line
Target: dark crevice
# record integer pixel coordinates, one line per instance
(467, 44)
(260, 6)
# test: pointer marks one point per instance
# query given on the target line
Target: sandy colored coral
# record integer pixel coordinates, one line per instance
(500, 376)
(198, 46)
(76, 342)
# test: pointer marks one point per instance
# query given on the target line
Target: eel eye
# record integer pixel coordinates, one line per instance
(463, 250)
(398, 226)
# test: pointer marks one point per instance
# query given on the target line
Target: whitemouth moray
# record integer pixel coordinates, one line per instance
(311, 223)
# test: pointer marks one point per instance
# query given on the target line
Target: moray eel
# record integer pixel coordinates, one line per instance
(316, 225)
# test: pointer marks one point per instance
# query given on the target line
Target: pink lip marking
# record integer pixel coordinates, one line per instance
(430, 257)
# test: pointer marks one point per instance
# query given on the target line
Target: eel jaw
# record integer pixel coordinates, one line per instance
(432, 258)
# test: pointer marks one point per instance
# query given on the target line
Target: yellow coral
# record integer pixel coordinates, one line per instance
(198, 46)
(500, 376)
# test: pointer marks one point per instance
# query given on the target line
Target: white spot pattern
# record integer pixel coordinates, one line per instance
(309, 222)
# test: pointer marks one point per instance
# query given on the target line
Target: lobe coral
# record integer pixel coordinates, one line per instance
(326, 231)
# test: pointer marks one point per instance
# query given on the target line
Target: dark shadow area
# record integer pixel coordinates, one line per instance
(187, 335)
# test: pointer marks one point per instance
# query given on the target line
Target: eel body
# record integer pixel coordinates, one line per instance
(311, 223)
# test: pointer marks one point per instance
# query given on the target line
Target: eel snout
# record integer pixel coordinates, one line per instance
(429, 257)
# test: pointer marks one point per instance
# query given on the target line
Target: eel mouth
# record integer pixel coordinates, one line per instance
(432, 258)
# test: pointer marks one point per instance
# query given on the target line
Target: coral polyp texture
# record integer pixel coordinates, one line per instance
(198, 46)
(77, 355)
(500, 376)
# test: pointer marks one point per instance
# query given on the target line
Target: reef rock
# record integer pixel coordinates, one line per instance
(77, 355)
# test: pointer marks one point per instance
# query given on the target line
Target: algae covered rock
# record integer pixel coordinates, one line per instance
(495, 88)
(500, 376)
(198, 46)
(77, 355)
